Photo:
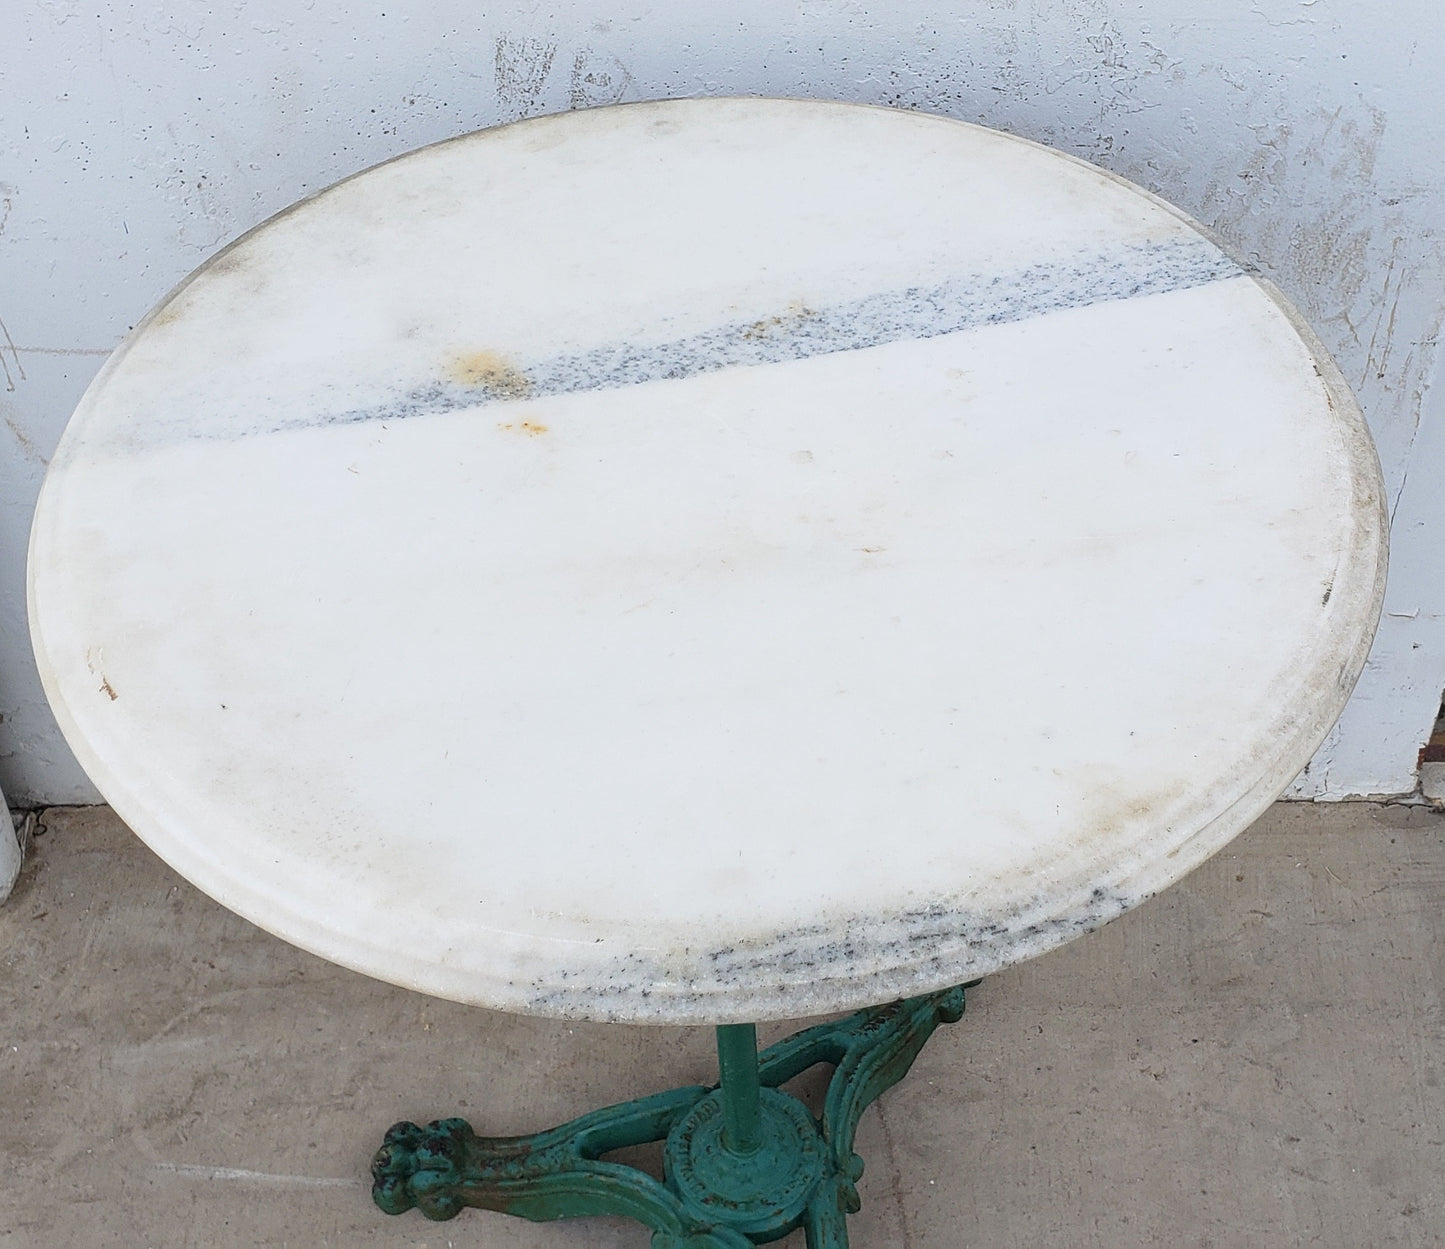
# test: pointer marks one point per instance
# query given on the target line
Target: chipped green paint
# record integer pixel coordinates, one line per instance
(744, 1163)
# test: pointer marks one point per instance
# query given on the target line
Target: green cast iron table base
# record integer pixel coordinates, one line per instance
(744, 1163)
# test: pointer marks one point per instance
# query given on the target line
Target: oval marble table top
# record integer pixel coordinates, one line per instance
(706, 561)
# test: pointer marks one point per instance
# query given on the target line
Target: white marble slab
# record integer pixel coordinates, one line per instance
(706, 561)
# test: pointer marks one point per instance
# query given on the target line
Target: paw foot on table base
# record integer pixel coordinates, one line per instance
(803, 1173)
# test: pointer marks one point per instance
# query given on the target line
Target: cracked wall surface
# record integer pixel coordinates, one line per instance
(1304, 133)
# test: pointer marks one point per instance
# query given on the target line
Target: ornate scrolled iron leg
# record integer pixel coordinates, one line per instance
(444, 1167)
(802, 1173)
(870, 1052)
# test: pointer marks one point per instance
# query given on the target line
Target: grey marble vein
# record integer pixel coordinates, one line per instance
(916, 312)
(922, 311)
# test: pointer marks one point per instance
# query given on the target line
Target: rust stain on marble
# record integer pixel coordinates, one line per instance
(492, 373)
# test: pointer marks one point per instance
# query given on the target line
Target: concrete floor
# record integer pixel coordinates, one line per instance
(1252, 1059)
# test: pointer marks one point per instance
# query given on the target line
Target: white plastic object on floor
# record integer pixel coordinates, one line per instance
(10, 854)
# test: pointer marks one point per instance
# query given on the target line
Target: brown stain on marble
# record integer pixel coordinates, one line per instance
(491, 372)
(794, 315)
(1105, 809)
(528, 429)
(168, 313)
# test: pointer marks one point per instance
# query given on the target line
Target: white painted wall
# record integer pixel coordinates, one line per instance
(1310, 134)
